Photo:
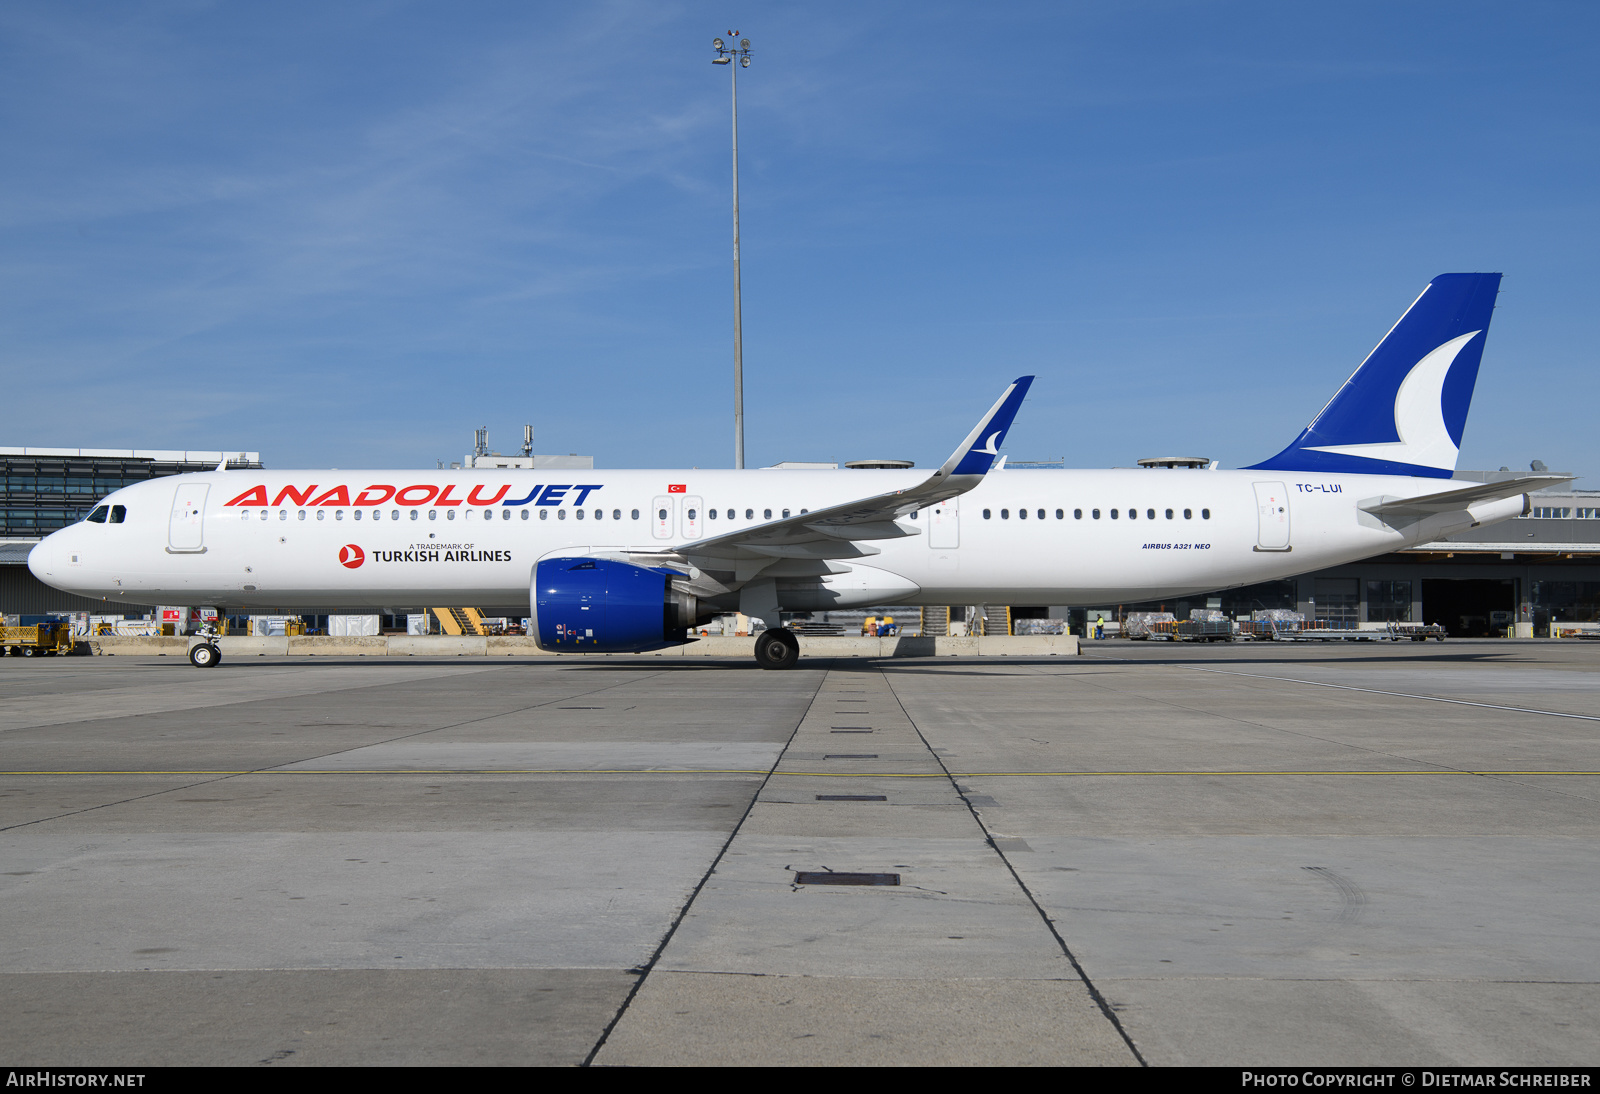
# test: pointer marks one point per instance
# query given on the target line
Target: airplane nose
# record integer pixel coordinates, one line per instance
(41, 559)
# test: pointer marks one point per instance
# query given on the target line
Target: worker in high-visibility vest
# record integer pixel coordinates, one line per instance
(1099, 626)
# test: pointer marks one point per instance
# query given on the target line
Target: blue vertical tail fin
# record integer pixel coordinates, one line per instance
(1404, 410)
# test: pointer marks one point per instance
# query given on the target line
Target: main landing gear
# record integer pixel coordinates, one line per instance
(204, 656)
(777, 649)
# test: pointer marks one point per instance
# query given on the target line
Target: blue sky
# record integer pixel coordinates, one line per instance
(346, 235)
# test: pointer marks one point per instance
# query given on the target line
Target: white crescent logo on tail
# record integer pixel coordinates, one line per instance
(1418, 415)
(990, 448)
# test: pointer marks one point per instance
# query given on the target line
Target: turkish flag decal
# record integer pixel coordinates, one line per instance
(678, 488)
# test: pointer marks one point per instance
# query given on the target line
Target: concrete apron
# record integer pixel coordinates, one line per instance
(406, 645)
(953, 965)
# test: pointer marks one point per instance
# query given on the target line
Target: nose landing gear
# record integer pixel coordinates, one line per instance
(204, 655)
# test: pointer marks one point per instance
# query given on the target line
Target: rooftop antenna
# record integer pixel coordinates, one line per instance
(480, 442)
(527, 442)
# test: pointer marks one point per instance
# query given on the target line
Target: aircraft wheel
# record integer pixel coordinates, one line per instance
(777, 649)
(204, 656)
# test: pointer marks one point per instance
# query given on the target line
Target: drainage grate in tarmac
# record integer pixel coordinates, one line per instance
(852, 797)
(826, 877)
(849, 731)
(851, 756)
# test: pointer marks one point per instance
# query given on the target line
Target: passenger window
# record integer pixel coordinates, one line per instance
(1169, 514)
(561, 514)
(635, 514)
(986, 514)
(1205, 514)
(1188, 514)
(661, 514)
(302, 514)
(1150, 514)
(616, 514)
(338, 514)
(1077, 514)
(433, 514)
(283, 514)
(355, 514)
(750, 514)
(505, 514)
(245, 513)
(450, 514)
(413, 514)
(1097, 514)
(578, 511)
(1005, 514)
(691, 514)
(263, 513)
(732, 514)
(394, 514)
(1041, 514)
(766, 514)
(1022, 514)
(786, 514)
(544, 514)
(320, 514)
(712, 513)
(524, 514)
(1113, 514)
(1133, 514)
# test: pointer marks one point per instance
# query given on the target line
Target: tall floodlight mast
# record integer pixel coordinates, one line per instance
(726, 54)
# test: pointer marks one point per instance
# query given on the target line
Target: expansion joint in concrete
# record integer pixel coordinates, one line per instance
(1050, 925)
(642, 973)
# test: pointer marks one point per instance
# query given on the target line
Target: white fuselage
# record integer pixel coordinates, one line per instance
(457, 537)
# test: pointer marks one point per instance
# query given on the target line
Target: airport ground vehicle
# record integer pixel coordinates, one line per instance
(45, 639)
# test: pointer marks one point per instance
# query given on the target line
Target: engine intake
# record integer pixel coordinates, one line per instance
(601, 605)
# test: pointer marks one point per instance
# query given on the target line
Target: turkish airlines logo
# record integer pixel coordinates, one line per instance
(678, 488)
(351, 556)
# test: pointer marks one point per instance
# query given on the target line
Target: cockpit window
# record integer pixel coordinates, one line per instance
(99, 514)
(119, 513)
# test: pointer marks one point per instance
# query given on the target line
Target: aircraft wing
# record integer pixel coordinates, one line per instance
(846, 531)
(1449, 501)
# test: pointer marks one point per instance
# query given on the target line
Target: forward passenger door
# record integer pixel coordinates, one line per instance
(186, 529)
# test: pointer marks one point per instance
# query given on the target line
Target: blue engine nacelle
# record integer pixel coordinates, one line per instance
(600, 605)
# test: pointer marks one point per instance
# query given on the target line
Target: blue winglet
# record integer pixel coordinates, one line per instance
(1404, 410)
(979, 451)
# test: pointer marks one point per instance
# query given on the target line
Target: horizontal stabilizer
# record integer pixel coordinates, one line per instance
(1449, 501)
